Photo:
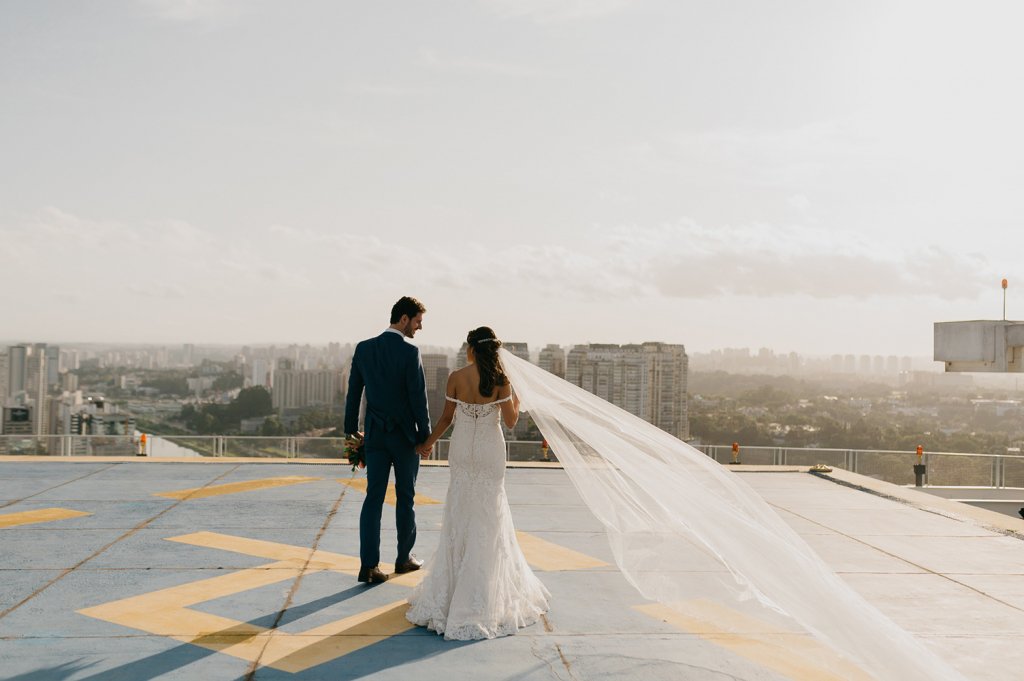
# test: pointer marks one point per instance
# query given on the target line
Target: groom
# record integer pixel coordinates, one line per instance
(396, 421)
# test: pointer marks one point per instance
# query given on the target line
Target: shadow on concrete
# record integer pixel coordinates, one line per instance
(416, 646)
(393, 652)
(58, 673)
(140, 670)
(296, 613)
(413, 646)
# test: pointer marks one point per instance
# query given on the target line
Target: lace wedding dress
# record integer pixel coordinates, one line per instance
(478, 584)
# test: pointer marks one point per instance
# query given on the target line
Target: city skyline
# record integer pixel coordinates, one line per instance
(430, 347)
(608, 172)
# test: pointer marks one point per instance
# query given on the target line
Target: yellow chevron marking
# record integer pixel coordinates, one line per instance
(166, 613)
(797, 656)
(390, 497)
(41, 516)
(235, 487)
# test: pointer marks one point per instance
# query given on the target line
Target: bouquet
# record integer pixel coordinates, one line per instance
(355, 452)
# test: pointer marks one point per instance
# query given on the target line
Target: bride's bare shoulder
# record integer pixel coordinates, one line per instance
(462, 377)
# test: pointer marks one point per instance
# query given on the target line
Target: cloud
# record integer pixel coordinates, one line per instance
(156, 290)
(800, 202)
(383, 90)
(176, 276)
(187, 11)
(556, 11)
(764, 261)
(781, 157)
(154, 259)
(432, 60)
(683, 260)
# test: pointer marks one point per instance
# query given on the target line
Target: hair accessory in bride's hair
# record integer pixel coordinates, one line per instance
(488, 340)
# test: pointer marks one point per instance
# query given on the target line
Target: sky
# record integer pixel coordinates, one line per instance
(804, 176)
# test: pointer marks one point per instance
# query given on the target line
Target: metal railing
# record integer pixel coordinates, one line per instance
(946, 469)
(158, 446)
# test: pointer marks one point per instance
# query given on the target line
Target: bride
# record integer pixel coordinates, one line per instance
(478, 584)
(684, 531)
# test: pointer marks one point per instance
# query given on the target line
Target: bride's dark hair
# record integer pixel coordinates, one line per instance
(485, 348)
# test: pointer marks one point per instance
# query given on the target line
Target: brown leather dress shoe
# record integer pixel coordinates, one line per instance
(372, 575)
(409, 566)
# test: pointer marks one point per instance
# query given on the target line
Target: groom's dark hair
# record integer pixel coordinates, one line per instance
(406, 306)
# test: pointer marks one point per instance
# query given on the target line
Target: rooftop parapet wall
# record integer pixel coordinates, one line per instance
(980, 345)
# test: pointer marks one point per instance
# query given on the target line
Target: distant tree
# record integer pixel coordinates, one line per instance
(187, 413)
(766, 396)
(316, 419)
(228, 381)
(272, 428)
(207, 423)
(170, 384)
(250, 403)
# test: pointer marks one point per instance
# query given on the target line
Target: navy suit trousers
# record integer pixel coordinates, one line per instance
(384, 450)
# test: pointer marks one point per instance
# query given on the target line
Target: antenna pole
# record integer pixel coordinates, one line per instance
(1004, 300)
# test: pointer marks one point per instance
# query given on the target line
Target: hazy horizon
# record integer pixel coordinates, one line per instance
(419, 341)
(804, 177)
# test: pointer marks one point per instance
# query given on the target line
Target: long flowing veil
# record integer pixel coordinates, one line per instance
(692, 536)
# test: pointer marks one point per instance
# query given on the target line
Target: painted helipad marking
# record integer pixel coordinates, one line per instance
(166, 612)
(390, 497)
(318, 560)
(235, 487)
(798, 656)
(41, 516)
(550, 557)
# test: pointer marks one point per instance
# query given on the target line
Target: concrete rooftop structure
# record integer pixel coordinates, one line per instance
(980, 345)
(122, 569)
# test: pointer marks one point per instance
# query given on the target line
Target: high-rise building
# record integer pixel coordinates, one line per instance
(836, 364)
(298, 388)
(878, 365)
(552, 360)
(794, 363)
(69, 381)
(850, 364)
(646, 380)
(17, 368)
(460, 359)
(3, 378)
(435, 371)
(520, 350)
(188, 351)
(906, 364)
(53, 365)
(892, 365)
(36, 372)
(16, 420)
(865, 364)
(263, 373)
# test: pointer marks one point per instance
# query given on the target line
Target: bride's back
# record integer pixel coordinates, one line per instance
(466, 384)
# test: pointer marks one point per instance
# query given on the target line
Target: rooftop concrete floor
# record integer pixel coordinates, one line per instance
(145, 570)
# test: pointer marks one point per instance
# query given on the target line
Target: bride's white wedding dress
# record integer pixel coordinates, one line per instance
(478, 584)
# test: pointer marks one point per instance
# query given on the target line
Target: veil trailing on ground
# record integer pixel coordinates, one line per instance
(692, 536)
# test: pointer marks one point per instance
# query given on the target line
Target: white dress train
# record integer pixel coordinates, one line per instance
(478, 584)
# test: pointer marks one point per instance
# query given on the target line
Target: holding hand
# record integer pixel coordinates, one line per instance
(424, 450)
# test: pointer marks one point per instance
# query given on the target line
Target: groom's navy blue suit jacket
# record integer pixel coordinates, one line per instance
(396, 392)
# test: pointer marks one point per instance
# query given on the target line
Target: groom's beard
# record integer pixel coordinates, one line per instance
(408, 331)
